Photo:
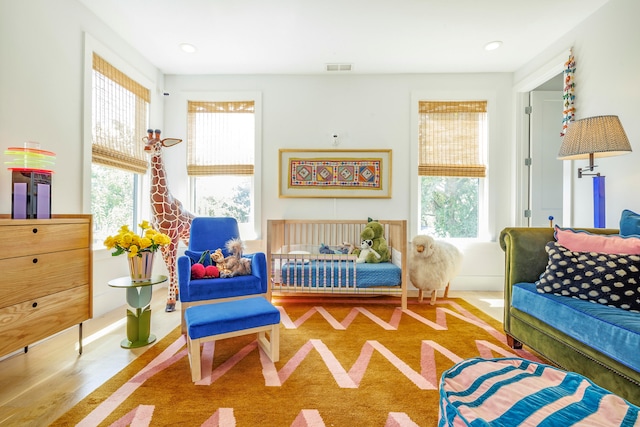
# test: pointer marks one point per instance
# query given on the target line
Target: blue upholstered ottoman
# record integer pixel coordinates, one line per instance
(517, 392)
(210, 322)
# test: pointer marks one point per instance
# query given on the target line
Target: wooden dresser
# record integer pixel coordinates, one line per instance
(45, 278)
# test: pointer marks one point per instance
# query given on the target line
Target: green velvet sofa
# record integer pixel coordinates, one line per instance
(525, 260)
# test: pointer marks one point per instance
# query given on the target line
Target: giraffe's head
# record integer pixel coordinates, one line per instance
(153, 143)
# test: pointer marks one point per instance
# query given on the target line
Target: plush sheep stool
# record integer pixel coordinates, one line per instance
(432, 265)
(210, 322)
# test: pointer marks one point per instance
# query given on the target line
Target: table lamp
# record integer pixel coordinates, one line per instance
(599, 136)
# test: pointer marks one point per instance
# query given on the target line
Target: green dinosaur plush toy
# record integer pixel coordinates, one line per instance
(375, 232)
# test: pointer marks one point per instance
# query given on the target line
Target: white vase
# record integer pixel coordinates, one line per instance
(141, 266)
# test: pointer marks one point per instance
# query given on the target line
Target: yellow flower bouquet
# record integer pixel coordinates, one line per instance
(133, 244)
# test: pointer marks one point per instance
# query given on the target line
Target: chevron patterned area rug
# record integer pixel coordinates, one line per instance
(343, 362)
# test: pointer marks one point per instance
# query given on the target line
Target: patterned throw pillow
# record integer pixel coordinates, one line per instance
(607, 279)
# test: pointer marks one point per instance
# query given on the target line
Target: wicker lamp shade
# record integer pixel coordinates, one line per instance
(600, 136)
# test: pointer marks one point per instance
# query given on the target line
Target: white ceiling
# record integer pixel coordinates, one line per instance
(376, 36)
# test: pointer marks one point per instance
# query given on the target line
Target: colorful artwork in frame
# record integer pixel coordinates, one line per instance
(335, 173)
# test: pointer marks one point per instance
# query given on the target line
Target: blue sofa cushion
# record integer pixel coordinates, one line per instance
(629, 223)
(609, 330)
(609, 279)
(213, 319)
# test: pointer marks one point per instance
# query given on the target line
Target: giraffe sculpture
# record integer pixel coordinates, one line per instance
(169, 216)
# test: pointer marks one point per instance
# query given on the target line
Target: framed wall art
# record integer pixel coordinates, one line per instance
(335, 173)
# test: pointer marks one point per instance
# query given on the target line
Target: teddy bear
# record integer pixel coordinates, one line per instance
(346, 248)
(218, 257)
(234, 264)
(365, 250)
(374, 231)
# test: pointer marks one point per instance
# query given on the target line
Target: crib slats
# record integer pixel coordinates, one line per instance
(296, 265)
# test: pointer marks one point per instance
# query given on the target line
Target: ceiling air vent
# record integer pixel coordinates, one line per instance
(339, 67)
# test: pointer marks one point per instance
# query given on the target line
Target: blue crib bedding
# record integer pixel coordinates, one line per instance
(317, 273)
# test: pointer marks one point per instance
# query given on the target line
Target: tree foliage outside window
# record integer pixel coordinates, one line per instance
(222, 195)
(449, 206)
(112, 200)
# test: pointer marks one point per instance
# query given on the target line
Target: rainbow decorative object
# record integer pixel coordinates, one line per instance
(30, 158)
(31, 180)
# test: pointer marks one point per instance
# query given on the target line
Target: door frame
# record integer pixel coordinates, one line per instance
(521, 91)
(546, 171)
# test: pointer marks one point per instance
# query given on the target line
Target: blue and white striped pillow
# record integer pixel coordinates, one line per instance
(513, 392)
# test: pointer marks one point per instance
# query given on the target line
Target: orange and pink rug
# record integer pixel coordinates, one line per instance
(343, 362)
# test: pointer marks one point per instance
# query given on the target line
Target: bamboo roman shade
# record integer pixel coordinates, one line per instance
(452, 137)
(221, 138)
(120, 116)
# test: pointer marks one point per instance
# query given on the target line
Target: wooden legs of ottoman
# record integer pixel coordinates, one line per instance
(434, 294)
(271, 346)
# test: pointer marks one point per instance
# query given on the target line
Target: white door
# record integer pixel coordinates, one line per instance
(546, 170)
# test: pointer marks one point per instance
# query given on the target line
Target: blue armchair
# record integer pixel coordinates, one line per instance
(211, 233)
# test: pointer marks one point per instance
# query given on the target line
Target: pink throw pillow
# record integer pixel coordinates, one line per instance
(583, 241)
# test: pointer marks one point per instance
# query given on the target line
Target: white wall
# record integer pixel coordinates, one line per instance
(41, 98)
(607, 82)
(42, 70)
(368, 112)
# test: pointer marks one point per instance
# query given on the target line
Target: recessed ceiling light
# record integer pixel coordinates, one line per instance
(493, 45)
(187, 47)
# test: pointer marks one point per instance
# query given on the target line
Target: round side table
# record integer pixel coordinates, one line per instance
(138, 297)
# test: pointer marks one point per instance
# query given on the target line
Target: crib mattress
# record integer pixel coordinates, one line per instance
(317, 273)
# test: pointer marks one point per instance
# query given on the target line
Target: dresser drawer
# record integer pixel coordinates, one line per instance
(18, 239)
(26, 323)
(28, 277)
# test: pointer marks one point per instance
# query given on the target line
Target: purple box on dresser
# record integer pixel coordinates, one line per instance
(31, 194)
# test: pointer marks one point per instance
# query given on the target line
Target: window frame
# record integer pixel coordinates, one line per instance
(485, 210)
(253, 230)
(141, 181)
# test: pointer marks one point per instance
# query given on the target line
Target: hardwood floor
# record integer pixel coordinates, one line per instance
(491, 303)
(39, 386)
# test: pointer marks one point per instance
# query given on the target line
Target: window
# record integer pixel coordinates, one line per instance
(119, 114)
(221, 153)
(452, 139)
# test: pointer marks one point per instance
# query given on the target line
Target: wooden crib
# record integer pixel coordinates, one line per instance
(308, 257)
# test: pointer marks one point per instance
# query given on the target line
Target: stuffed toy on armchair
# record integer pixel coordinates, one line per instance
(374, 231)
